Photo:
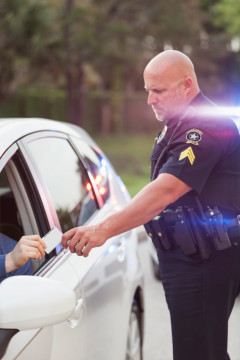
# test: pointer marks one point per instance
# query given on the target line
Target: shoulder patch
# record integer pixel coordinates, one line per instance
(193, 136)
(162, 134)
(188, 153)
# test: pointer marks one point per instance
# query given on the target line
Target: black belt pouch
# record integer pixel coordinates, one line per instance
(153, 235)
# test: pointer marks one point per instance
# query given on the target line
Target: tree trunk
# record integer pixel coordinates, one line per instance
(73, 73)
(75, 95)
(106, 119)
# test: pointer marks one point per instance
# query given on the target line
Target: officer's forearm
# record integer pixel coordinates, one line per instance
(148, 203)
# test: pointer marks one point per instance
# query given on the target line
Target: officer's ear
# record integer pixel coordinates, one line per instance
(187, 85)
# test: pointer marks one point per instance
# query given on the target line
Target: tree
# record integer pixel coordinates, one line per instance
(68, 40)
(23, 42)
(227, 15)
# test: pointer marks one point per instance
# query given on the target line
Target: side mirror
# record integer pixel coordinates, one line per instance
(30, 302)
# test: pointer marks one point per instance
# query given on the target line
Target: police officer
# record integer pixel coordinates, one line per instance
(190, 209)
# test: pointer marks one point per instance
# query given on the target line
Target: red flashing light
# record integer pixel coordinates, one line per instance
(102, 190)
(89, 187)
(98, 179)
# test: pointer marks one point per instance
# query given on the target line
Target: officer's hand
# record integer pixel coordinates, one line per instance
(81, 240)
(28, 247)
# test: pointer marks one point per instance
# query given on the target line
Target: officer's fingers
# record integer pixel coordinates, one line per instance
(80, 247)
(93, 241)
(67, 236)
(77, 237)
(85, 252)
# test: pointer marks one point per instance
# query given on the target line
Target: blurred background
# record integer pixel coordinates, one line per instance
(81, 61)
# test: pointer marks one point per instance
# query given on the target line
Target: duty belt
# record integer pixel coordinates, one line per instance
(231, 223)
(192, 233)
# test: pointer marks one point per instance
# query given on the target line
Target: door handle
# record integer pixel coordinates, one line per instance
(76, 315)
(121, 251)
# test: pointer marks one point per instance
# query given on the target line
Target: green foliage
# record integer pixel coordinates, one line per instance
(83, 45)
(36, 103)
(130, 156)
(25, 25)
(227, 14)
(24, 28)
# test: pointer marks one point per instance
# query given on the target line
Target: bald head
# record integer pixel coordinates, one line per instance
(174, 63)
(171, 82)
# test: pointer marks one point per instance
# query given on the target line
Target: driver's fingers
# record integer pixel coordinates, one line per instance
(33, 243)
(31, 252)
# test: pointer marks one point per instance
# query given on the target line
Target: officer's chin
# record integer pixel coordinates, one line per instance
(159, 117)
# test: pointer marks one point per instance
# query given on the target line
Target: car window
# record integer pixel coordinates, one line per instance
(97, 164)
(66, 179)
(11, 229)
(10, 222)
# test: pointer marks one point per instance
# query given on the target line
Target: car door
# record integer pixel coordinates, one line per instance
(59, 191)
(25, 210)
(109, 286)
(103, 275)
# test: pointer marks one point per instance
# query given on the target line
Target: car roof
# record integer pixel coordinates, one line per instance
(13, 129)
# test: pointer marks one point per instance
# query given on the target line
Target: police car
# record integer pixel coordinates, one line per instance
(54, 177)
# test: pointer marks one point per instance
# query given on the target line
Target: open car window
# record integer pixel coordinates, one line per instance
(67, 182)
(17, 216)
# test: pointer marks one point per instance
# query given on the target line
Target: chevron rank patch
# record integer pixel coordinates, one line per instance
(188, 153)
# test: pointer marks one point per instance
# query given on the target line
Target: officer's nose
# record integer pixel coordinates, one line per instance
(151, 98)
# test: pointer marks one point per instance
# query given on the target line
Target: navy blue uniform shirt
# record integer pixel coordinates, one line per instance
(6, 245)
(204, 152)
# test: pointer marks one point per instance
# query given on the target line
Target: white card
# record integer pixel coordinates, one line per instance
(52, 239)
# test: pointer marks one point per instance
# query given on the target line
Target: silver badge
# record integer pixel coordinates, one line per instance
(193, 136)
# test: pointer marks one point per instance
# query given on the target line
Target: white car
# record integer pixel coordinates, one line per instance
(54, 176)
(154, 259)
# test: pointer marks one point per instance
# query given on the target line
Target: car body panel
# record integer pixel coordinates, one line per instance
(16, 128)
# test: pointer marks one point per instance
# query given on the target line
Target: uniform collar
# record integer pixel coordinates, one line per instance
(197, 100)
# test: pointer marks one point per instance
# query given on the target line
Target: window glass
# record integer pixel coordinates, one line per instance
(66, 179)
(10, 223)
(98, 166)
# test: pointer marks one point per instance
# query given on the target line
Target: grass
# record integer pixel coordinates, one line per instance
(130, 156)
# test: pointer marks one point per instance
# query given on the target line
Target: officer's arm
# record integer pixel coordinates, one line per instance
(148, 203)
